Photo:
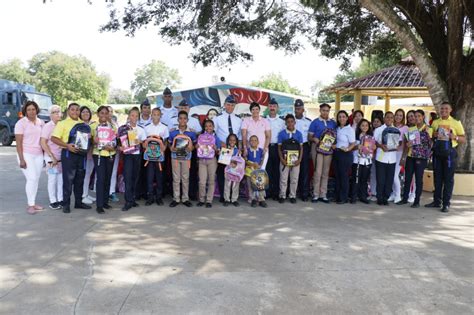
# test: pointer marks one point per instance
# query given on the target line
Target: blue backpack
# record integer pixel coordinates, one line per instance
(80, 136)
(391, 137)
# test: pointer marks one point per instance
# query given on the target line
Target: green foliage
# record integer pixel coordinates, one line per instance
(276, 82)
(154, 77)
(14, 70)
(69, 78)
(119, 96)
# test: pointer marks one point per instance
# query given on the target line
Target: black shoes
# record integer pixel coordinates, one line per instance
(200, 204)
(281, 200)
(82, 206)
(173, 204)
(106, 206)
(66, 209)
(445, 209)
(402, 202)
(304, 199)
(365, 201)
(208, 205)
(55, 205)
(353, 201)
(254, 204)
(188, 204)
(135, 204)
(433, 204)
(226, 203)
(263, 204)
(127, 207)
(293, 200)
(159, 202)
(100, 210)
(415, 205)
(236, 203)
(149, 202)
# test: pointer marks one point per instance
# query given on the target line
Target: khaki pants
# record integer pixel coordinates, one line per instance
(207, 175)
(180, 170)
(259, 195)
(228, 186)
(294, 173)
(321, 175)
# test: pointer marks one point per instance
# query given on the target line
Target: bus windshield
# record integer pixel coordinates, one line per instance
(44, 101)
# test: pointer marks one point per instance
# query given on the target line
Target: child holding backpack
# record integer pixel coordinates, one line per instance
(290, 152)
(157, 134)
(181, 142)
(255, 158)
(231, 186)
(206, 152)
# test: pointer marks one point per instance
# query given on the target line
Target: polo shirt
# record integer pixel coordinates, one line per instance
(193, 124)
(453, 124)
(255, 156)
(318, 125)
(302, 125)
(222, 128)
(157, 130)
(190, 134)
(144, 122)
(256, 128)
(31, 132)
(345, 136)
(63, 128)
(277, 124)
(388, 157)
(286, 134)
(46, 134)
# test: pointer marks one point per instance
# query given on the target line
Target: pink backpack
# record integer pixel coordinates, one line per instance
(205, 146)
(236, 169)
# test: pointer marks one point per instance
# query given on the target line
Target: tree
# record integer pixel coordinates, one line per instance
(14, 70)
(153, 77)
(431, 31)
(119, 96)
(68, 78)
(275, 81)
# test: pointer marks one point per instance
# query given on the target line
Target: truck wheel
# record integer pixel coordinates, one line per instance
(5, 137)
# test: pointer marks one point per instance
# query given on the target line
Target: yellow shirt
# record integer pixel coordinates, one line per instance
(63, 128)
(94, 134)
(413, 128)
(449, 124)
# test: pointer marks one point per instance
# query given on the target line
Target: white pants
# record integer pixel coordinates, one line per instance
(113, 180)
(87, 177)
(55, 184)
(34, 164)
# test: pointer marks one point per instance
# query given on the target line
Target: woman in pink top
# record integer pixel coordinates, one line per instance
(52, 158)
(256, 126)
(30, 154)
(399, 122)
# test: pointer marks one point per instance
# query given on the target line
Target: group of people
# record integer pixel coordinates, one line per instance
(164, 150)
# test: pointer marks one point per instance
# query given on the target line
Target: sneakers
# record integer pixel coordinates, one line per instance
(315, 199)
(91, 198)
(324, 199)
(113, 197)
(411, 198)
(55, 205)
(87, 201)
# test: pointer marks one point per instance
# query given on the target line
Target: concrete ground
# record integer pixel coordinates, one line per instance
(286, 259)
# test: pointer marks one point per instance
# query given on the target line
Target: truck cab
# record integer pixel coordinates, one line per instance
(13, 96)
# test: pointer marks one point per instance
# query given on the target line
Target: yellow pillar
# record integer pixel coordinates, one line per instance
(338, 102)
(387, 103)
(357, 99)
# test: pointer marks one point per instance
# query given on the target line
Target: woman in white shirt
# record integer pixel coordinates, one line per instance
(345, 142)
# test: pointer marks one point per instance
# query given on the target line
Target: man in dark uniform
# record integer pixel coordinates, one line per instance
(302, 125)
(277, 124)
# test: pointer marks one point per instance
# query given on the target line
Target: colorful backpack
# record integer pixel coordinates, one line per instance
(259, 180)
(326, 140)
(236, 169)
(205, 149)
(291, 150)
(80, 136)
(423, 149)
(153, 150)
(106, 136)
(367, 147)
(180, 143)
(124, 139)
(443, 146)
(391, 137)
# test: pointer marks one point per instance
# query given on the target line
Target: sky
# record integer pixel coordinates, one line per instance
(72, 27)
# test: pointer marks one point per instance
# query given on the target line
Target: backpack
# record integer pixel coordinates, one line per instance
(180, 143)
(326, 140)
(291, 150)
(367, 147)
(205, 149)
(80, 136)
(391, 137)
(105, 136)
(236, 169)
(422, 150)
(442, 148)
(259, 180)
(124, 140)
(153, 150)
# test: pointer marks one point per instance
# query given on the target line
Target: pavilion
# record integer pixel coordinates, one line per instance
(401, 80)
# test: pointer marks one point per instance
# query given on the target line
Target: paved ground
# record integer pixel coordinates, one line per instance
(284, 259)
